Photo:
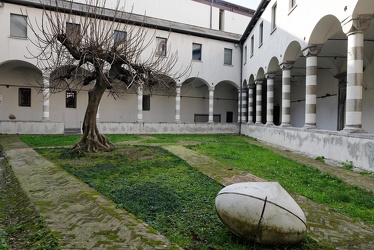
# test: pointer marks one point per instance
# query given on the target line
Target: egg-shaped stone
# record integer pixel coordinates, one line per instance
(261, 211)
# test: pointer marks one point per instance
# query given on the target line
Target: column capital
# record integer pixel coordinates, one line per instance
(270, 75)
(357, 24)
(243, 90)
(211, 88)
(312, 50)
(287, 65)
(251, 86)
(259, 81)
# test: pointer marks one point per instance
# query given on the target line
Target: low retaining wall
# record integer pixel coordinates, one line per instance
(31, 127)
(337, 146)
(168, 128)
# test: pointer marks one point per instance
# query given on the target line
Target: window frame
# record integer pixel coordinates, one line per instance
(71, 103)
(12, 25)
(261, 34)
(245, 54)
(274, 17)
(200, 53)
(161, 41)
(252, 45)
(224, 56)
(24, 97)
(119, 37)
(146, 103)
(74, 33)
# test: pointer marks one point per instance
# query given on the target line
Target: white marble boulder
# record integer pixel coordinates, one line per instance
(261, 211)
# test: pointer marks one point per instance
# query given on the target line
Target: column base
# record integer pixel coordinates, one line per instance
(285, 125)
(269, 124)
(250, 123)
(309, 126)
(349, 130)
(210, 122)
(259, 123)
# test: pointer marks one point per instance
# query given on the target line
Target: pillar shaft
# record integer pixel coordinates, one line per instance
(286, 93)
(140, 104)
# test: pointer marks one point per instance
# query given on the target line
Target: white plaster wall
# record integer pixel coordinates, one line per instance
(19, 78)
(291, 26)
(183, 11)
(336, 146)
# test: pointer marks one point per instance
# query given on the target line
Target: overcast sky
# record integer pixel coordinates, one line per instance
(252, 4)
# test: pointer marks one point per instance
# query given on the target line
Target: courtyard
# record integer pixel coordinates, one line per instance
(157, 191)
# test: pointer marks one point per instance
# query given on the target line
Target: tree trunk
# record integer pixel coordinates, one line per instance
(92, 140)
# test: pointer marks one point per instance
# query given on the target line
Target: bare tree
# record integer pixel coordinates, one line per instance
(86, 44)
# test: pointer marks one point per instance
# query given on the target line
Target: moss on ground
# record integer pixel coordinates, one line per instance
(21, 226)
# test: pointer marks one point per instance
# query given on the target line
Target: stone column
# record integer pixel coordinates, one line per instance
(270, 98)
(259, 101)
(286, 92)
(178, 104)
(211, 103)
(250, 103)
(46, 96)
(140, 104)
(311, 53)
(354, 29)
(243, 104)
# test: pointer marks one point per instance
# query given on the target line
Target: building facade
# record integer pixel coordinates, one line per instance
(298, 74)
(308, 71)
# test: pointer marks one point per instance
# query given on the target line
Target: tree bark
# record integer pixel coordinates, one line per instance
(92, 140)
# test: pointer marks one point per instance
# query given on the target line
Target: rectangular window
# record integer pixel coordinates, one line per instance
(18, 26)
(196, 52)
(146, 102)
(73, 32)
(261, 34)
(24, 97)
(119, 37)
(71, 99)
(227, 60)
(245, 54)
(221, 20)
(161, 46)
(292, 4)
(252, 44)
(274, 17)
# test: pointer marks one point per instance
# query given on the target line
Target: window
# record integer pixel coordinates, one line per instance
(261, 34)
(119, 37)
(274, 17)
(161, 46)
(252, 44)
(245, 54)
(292, 4)
(18, 26)
(73, 32)
(221, 19)
(24, 97)
(196, 52)
(71, 99)
(227, 57)
(146, 102)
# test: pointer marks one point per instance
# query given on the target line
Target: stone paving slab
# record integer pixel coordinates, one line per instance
(82, 217)
(323, 224)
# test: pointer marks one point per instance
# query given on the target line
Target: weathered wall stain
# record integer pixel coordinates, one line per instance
(369, 153)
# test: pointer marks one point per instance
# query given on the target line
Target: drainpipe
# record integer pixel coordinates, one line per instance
(211, 12)
(241, 88)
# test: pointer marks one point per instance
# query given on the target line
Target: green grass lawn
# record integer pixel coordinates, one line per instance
(178, 200)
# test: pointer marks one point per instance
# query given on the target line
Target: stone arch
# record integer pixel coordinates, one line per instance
(324, 29)
(273, 65)
(292, 52)
(363, 7)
